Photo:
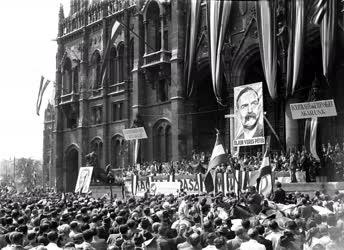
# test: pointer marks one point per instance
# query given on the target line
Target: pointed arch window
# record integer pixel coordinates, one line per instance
(67, 77)
(113, 66)
(120, 50)
(162, 141)
(95, 70)
(97, 147)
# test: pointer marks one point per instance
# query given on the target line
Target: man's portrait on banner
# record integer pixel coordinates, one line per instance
(84, 179)
(248, 104)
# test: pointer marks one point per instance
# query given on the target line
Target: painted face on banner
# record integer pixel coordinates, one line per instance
(249, 109)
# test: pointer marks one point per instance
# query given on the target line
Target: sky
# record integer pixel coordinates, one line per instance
(28, 29)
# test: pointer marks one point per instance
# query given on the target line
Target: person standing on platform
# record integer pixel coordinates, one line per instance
(292, 167)
(305, 165)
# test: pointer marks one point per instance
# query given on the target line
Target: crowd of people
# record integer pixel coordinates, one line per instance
(41, 220)
(292, 162)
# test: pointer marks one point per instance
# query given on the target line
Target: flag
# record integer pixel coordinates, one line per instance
(310, 138)
(191, 41)
(266, 19)
(296, 41)
(115, 31)
(136, 151)
(134, 181)
(199, 182)
(218, 157)
(42, 88)
(218, 15)
(318, 10)
(171, 177)
(264, 180)
(328, 30)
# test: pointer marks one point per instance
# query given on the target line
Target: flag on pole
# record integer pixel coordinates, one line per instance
(136, 152)
(218, 157)
(266, 18)
(115, 31)
(42, 88)
(318, 11)
(310, 138)
(200, 182)
(264, 180)
(134, 181)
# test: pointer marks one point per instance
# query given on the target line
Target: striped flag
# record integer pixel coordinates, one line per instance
(237, 181)
(310, 138)
(115, 31)
(42, 88)
(171, 177)
(199, 182)
(134, 182)
(136, 151)
(218, 157)
(264, 180)
(318, 11)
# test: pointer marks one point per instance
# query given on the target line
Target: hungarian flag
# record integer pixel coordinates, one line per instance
(217, 158)
(310, 138)
(42, 87)
(115, 31)
(318, 11)
(264, 180)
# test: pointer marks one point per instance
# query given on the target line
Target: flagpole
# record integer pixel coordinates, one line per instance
(274, 132)
(137, 35)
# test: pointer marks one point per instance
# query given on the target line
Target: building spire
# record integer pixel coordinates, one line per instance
(61, 13)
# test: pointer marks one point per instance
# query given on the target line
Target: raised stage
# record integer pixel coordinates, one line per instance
(303, 187)
(311, 187)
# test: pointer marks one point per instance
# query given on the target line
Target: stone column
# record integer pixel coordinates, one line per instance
(179, 130)
(162, 17)
(83, 105)
(105, 100)
(58, 170)
(291, 127)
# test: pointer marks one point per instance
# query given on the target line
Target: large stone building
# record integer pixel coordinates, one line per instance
(145, 81)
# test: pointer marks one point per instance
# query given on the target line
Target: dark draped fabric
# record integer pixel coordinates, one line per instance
(218, 13)
(190, 44)
(267, 43)
(328, 37)
(296, 41)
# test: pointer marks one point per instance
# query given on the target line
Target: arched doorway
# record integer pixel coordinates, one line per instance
(72, 168)
(252, 72)
(162, 141)
(96, 146)
(117, 151)
(208, 114)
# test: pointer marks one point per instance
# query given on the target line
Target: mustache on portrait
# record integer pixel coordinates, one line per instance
(249, 116)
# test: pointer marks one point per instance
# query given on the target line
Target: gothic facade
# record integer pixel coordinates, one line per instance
(145, 80)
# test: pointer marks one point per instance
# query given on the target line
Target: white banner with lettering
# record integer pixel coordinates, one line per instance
(304, 110)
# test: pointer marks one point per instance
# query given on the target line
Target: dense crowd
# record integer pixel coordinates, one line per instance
(41, 220)
(292, 162)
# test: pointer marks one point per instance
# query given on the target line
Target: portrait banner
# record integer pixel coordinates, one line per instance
(84, 180)
(249, 116)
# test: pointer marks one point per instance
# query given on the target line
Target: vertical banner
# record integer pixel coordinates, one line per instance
(249, 117)
(84, 180)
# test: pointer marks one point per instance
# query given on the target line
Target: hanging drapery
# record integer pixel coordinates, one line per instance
(317, 11)
(191, 40)
(217, 17)
(267, 43)
(296, 40)
(328, 37)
